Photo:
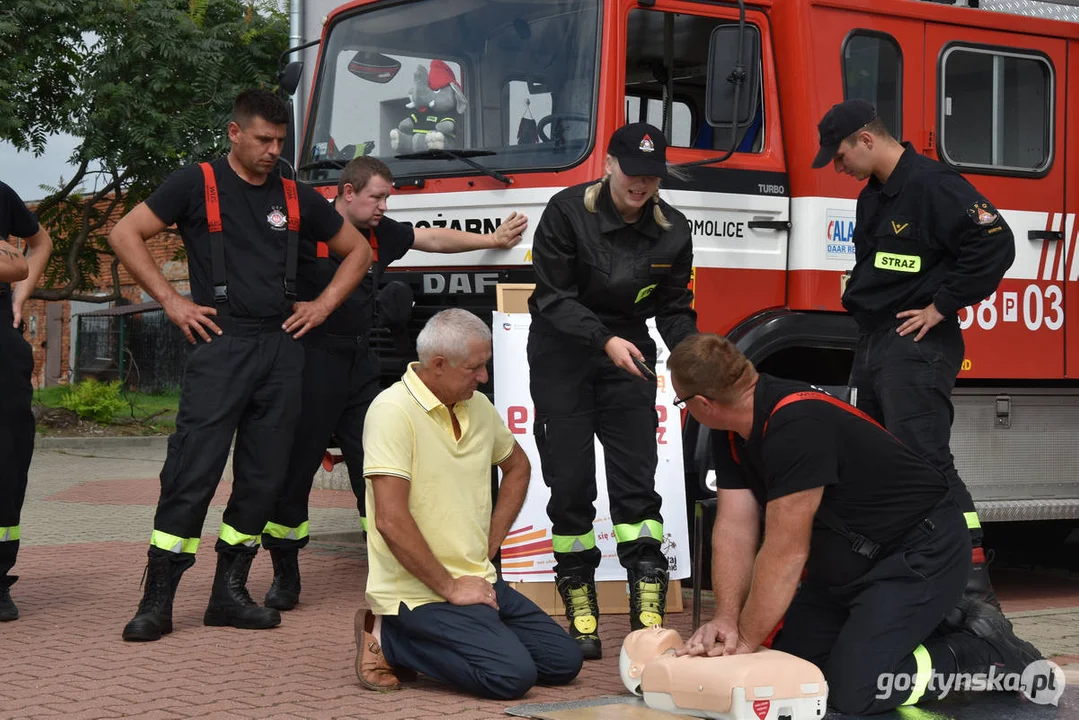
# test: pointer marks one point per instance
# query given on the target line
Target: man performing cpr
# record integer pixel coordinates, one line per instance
(890, 550)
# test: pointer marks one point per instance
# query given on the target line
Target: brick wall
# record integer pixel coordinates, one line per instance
(162, 248)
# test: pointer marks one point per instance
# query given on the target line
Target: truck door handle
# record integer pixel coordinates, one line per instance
(769, 224)
(1050, 235)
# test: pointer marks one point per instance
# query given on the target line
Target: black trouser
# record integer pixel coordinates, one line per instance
(16, 433)
(876, 624)
(476, 649)
(580, 394)
(245, 382)
(340, 379)
(906, 386)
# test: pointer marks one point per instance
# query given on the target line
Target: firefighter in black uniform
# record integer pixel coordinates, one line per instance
(926, 245)
(608, 256)
(242, 227)
(874, 525)
(341, 373)
(16, 370)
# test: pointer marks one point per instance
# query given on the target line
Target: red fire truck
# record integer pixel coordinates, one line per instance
(738, 89)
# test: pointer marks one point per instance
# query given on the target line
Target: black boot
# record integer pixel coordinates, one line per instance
(154, 616)
(582, 611)
(978, 589)
(978, 585)
(647, 595)
(230, 603)
(8, 610)
(987, 622)
(284, 592)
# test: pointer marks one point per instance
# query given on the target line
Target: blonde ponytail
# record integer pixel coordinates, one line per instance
(591, 193)
(657, 213)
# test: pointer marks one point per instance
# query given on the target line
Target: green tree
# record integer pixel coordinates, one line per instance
(146, 85)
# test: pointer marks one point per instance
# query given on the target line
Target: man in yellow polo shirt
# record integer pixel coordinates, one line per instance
(437, 604)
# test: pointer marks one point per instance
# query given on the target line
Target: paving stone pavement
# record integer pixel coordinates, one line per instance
(86, 524)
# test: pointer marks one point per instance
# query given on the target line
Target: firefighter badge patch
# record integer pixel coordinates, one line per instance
(982, 213)
(646, 144)
(277, 218)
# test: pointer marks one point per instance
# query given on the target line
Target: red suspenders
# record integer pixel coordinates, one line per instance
(217, 241)
(859, 543)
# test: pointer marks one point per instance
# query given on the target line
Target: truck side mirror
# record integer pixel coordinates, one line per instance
(290, 78)
(722, 63)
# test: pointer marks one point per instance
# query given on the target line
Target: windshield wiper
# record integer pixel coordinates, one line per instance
(324, 165)
(464, 156)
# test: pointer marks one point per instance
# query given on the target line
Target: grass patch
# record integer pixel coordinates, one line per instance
(141, 405)
(157, 411)
(50, 396)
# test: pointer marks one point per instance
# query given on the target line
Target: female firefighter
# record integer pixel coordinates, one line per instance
(608, 255)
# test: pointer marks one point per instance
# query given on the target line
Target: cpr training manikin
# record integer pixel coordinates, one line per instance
(764, 685)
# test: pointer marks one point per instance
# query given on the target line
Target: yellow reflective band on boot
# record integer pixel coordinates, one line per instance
(282, 532)
(174, 543)
(232, 536)
(627, 532)
(573, 543)
(580, 608)
(924, 669)
(897, 263)
(9, 534)
(363, 523)
(973, 523)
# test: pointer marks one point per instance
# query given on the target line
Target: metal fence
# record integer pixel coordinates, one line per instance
(135, 344)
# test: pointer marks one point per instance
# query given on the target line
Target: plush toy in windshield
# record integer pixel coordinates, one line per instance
(436, 102)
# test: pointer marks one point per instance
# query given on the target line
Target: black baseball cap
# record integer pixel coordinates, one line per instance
(640, 148)
(843, 120)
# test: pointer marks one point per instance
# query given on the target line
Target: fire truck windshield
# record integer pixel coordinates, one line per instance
(508, 84)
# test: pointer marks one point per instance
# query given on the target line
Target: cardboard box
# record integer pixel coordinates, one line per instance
(513, 297)
(613, 596)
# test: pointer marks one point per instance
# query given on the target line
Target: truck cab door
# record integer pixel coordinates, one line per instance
(995, 104)
(856, 54)
(738, 209)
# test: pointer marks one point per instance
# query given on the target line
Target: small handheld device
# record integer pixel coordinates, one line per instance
(647, 371)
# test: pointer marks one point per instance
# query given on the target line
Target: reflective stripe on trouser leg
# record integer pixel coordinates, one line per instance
(629, 532)
(923, 670)
(231, 536)
(573, 543)
(973, 523)
(173, 543)
(286, 533)
(9, 534)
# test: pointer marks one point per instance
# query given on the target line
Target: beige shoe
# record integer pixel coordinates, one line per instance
(372, 670)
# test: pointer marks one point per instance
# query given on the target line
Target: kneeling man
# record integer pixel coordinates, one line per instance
(886, 551)
(437, 604)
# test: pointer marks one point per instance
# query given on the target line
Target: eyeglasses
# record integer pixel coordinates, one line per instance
(681, 402)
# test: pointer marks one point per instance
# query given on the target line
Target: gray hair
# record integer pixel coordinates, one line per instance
(448, 334)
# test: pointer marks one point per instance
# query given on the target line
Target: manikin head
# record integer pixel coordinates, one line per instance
(640, 648)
